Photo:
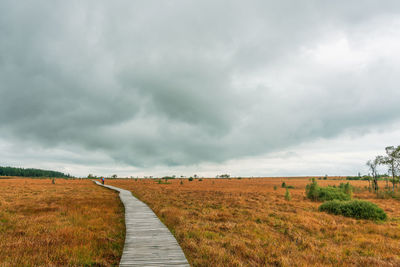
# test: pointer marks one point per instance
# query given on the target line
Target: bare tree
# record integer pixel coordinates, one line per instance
(373, 165)
(392, 160)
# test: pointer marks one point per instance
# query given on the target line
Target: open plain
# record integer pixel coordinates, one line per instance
(69, 223)
(246, 222)
(217, 222)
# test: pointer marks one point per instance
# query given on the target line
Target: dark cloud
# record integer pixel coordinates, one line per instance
(181, 82)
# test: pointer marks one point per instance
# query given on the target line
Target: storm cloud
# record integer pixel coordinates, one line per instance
(177, 83)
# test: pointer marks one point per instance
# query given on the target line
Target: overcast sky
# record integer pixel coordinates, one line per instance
(250, 88)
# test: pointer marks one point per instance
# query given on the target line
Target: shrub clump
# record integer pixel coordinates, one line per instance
(288, 197)
(316, 193)
(359, 209)
(332, 193)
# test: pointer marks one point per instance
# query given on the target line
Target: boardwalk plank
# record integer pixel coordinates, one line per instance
(148, 242)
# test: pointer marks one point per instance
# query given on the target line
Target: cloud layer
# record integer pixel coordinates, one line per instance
(181, 82)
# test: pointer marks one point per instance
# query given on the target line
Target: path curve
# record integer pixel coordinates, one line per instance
(148, 242)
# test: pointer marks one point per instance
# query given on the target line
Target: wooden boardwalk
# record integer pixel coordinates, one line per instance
(148, 242)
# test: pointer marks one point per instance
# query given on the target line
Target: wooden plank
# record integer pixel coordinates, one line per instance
(148, 242)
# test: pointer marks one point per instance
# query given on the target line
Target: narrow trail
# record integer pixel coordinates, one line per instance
(148, 242)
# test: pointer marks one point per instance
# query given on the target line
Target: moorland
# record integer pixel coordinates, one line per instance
(69, 223)
(217, 222)
(248, 222)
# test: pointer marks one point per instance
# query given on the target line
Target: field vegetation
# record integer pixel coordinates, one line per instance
(359, 209)
(248, 222)
(69, 223)
(317, 193)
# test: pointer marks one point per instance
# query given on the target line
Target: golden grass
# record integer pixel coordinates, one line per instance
(221, 222)
(69, 223)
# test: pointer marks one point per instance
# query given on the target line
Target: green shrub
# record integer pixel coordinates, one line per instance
(275, 187)
(287, 195)
(290, 186)
(283, 185)
(200, 180)
(358, 209)
(316, 193)
(331, 193)
(312, 191)
(347, 188)
(190, 179)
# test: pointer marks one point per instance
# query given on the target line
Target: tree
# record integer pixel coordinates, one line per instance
(373, 165)
(392, 160)
(10, 171)
(114, 176)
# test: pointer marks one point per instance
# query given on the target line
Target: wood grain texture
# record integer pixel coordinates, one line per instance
(148, 242)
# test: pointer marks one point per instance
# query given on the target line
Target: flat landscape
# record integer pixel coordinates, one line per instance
(292, 107)
(217, 222)
(246, 222)
(69, 223)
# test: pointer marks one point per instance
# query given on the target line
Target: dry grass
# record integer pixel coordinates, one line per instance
(70, 223)
(247, 223)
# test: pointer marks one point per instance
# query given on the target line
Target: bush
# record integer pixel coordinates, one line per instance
(275, 187)
(168, 177)
(290, 186)
(283, 185)
(287, 195)
(358, 209)
(353, 178)
(312, 191)
(346, 188)
(190, 179)
(316, 193)
(331, 193)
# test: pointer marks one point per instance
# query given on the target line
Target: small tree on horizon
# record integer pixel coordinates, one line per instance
(373, 165)
(392, 160)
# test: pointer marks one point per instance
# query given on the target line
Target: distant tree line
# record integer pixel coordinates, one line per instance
(11, 171)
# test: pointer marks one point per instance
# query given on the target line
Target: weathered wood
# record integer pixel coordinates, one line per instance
(148, 242)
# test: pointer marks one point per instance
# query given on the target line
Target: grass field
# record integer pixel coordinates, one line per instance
(69, 223)
(222, 222)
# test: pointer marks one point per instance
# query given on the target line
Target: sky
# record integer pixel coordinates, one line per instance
(248, 88)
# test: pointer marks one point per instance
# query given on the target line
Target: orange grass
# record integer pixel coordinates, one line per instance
(221, 222)
(69, 223)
